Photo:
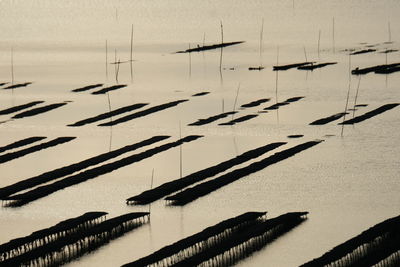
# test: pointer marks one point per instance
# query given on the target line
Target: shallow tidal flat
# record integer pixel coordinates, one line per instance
(271, 138)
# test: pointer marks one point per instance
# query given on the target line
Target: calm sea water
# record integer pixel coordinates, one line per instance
(347, 183)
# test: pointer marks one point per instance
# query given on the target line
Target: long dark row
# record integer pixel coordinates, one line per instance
(108, 114)
(86, 88)
(377, 68)
(108, 89)
(20, 153)
(240, 119)
(203, 239)
(178, 184)
(290, 66)
(73, 246)
(284, 103)
(316, 66)
(144, 113)
(21, 245)
(19, 107)
(368, 248)
(69, 169)
(13, 86)
(23, 142)
(328, 119)
(212, 118)
(255, 103)
(209, 47)
(370, 114)
(42, 191)
(39, 110)
(192, 193)
(242, 244)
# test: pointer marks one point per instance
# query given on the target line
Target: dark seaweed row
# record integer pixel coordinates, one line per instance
(143, 113)
(201, 94)
(108, 89)
(13, 86)
(64, 228)
(39, 110)
(20, 153)
(108, 114)
(290, 66)
(199, 239)
(255, 103)
(3, 83)
(388, 70)
(316, 66)
(370, 114)
(72, 246)
(377, 68)
(212, 118)
(20, 107)
(364, 51)
(192, 193)
(241, 244)
(22, 142)
(372, 246)
(42, 191)
(240, 119)
(69, 169)
(209, 47)
(284, 103)
(178, 184)
(328, 119)
(86, 88)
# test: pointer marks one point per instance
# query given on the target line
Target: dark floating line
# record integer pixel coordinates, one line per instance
(242, 244)
(388, 70)
(316, 66)
(167, 188)
(361, 105)
(364, 51)
(20, 107)
(370, 114)
(389, 51)
(77, 244)
(197, 191)
(295, 136)
(143, 113)
(240, 119)
(201, 94)
(191, 243)
(255, 103)
(107, 89)
(373, 246)
(212, 118)
(17, 85)
(377, 68)
(18, 246)
(39, 110)
(45, 190)
(209, 47)
(1, 84)
(22, 142)
(20, 153)
(291, 66)
(86, 88)
(284, 103)
(329, 119)
(109, 114)
(69, 169)
(259, 68)
(225, 243)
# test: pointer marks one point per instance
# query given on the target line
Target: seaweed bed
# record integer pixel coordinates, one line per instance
(370, 114)
(20, 153)
(66, 170)
(108, 114)
(39, 110)
(178, 184)
(209, 47)
(191, 194)
(45, 190)
(144, 112)
(19, 107)
(22, 142)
